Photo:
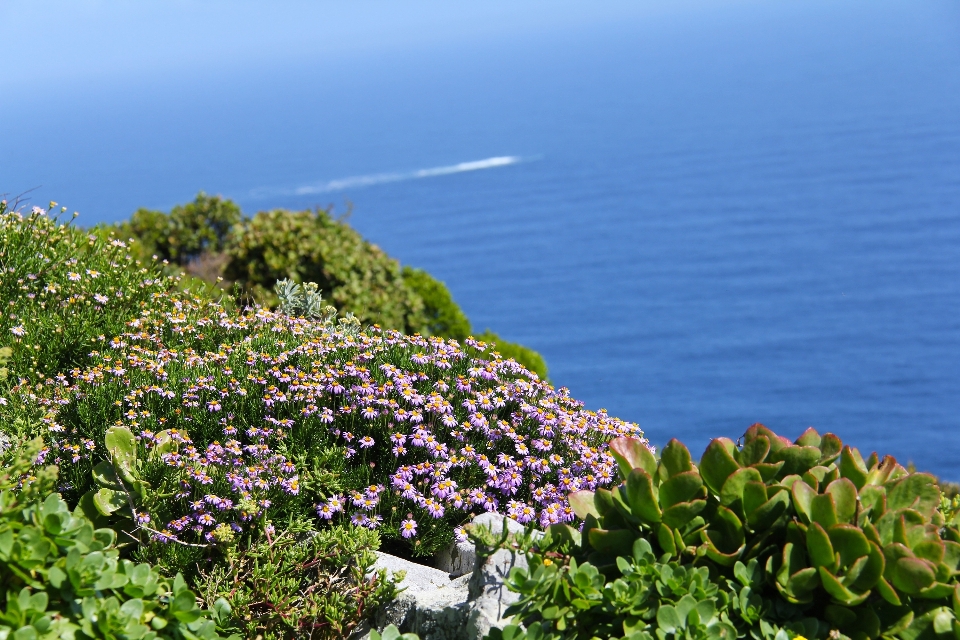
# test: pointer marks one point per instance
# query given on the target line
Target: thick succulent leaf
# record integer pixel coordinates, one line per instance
(583, 503)
(618, 542)
(887, 592)
(122, 446)
(755, 450)
(844, 494)
(823, 510)
(917, 491)
(911, 575)
(731, 493)
(683, 513)
(769, 470)
(803, 495)
(717, 463)
(667, 541)
(675, 457)
(801, 585)
(796, 459)
(873, 502)
(839, 592)
(951, 556)
(820, 548)
(849, 542)
(776, 442)
(931, 550)
(566, 533)
(105, 476)
(631, 454)
(852, 467)
(754, 495)
(603, 501)
(809, 438)
(681, 487)
(764, 516)
(642, 496)
(108, 501)
(936, 591)
(724, 537)
(872, 571)
(880, 472)
(830, 446)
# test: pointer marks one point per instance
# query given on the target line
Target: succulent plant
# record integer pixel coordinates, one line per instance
(859, 539)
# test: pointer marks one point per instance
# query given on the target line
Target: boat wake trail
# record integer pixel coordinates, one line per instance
(383, 178)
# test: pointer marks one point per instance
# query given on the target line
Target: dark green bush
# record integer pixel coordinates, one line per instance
(61, 578)
(189, 230)
(823, 541)
(312, 246)
(442, 316)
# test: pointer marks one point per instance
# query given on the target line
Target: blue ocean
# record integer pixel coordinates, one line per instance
(702, 214)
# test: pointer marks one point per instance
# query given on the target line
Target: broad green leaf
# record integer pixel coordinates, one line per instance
(642, 496)
(582, 503)
(819, 548)
(681, 487)
(675, 457)
(631, 454)
(718, 463)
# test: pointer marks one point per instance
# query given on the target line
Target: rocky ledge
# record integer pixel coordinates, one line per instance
(461, 599)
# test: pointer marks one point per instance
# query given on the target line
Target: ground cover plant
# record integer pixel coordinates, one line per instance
(210, 438)
(769, 540)
(64, 579)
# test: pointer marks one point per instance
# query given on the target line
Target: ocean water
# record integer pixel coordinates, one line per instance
(703, 215)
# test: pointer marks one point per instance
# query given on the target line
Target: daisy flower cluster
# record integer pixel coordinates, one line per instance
(422, 430)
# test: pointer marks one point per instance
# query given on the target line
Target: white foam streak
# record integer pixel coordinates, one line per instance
(382, 178)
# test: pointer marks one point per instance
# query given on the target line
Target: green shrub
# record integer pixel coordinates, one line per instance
(312, 246)
(189, 230)
(64, 579)
(809, 528)
(442, 315)
(62, 288)
(300, 583)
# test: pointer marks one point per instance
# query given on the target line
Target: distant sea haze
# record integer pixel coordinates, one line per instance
(703, 215)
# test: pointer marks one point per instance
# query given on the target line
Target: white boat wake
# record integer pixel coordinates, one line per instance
(382, 178)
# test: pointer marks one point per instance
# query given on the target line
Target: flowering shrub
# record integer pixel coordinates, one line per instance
(62, 287)
(246, 417)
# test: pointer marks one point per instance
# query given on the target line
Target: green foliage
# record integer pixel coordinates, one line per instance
(442, 315)
(312, 246)
(189, 230)
(64, 579)
(63, 288)
(809, 527)
(524, 355)
(392, 633)
(315, 584)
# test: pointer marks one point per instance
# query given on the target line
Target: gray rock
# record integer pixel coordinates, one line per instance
(438, 604)
(457, 559)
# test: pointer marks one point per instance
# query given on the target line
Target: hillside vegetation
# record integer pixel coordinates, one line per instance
(211, 238)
